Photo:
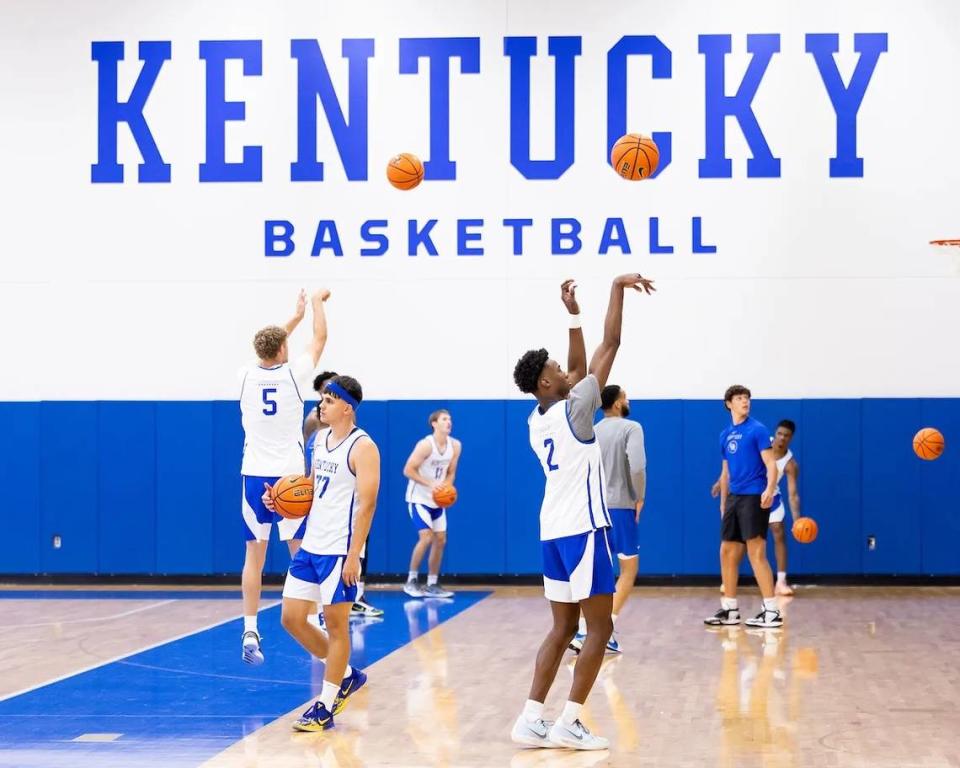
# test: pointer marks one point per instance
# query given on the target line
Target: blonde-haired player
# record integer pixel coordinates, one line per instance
(271, 408)
(432, 462)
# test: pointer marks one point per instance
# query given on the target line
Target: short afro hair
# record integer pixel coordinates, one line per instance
(527, 371)
(322, 378)
(789, 425)
(609, 396)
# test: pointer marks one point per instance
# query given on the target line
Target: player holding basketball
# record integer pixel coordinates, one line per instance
(625, 470)
(271, 408)
(311, 427)
(748, 484)
(346, 480)
(578, 569)
(432, 463)
(786, 466)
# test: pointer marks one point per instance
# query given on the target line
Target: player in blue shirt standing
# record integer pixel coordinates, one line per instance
(748, 484)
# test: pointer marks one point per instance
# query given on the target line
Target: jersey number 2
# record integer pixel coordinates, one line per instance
(271, 408)
(548, 444)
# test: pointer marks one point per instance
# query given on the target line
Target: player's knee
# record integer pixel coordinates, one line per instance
(292, 620)
(440, 538)
(777, 530)
(601, 626)
(564, 631)
(426, 536)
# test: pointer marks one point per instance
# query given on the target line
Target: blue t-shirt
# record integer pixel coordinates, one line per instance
(740, 445)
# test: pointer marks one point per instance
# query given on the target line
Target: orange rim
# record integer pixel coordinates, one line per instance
(945, 242)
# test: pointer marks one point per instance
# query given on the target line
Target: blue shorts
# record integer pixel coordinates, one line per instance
(625, 538)
(317, 578)
(257, 519)
(426, 518)
(577, 567)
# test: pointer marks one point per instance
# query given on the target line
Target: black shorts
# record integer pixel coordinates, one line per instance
(744, 518)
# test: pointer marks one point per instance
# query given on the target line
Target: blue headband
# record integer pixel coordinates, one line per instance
(335, 389)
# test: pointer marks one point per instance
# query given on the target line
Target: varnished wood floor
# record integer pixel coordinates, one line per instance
(858, 678)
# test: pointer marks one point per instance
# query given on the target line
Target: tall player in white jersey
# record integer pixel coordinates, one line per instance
(577, 564)
(346, 480)
(432, 462)
(271, 407)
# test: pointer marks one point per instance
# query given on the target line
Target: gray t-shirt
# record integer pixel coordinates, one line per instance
(621, 447)
(582, 405)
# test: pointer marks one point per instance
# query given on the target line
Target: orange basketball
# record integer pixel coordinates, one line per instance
(405, 171)
(928, 444)
(805, 529)
(635, 157)
(293, 496)
(444, 495)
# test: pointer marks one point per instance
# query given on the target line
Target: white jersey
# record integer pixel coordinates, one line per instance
(781, 467)
(271, 408)
(433, 469)
(573, 498)
(330, 524)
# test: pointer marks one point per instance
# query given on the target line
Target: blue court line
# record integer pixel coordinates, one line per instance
(183, 702)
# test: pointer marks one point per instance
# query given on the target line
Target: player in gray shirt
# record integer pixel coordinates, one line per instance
(625, 468)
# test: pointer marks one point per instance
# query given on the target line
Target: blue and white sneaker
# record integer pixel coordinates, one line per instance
(532, 734)
(315, 719)
(435, 590)
(613, 645)
(250, 642)
(575, 736)
(577, 643)
(350, 685)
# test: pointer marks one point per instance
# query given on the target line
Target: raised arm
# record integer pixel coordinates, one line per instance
(603, 358)
(577, 351)
(452, 468)
(411, 470)
(319, 340)
(792, 471)
(366, 466)
(291, 324)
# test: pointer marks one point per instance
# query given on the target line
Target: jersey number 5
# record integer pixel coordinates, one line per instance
(271, 408)
(548, 444)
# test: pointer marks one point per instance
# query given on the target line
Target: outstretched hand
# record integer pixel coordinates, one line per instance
(568, 294)
(301, 304)
(636, 281)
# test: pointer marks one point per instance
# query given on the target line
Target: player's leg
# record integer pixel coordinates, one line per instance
(592, 584)
(754, 524)
(731, 554)
(437, 545)
(292, 532)
(625, 539)
(779, 532)
(257, 520)
(361, 607)
(423, 525)
(629, 566)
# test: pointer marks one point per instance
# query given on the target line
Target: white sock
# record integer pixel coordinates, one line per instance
(770, 604)
(582, 626)
(412, 576)
(250, 623)
(347, 672)
(782, 577)
(432, 579)
(571, 713)
(729, 603)
(360, 587)
(614, 617)
(329, 694)
(533, 711)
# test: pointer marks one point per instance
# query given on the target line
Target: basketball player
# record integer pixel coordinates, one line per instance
(271, 408)
(433, 462)
(325, 570)
(748, 483)
(625, 469)
(786, 466)
(311, 427)
(578, 569)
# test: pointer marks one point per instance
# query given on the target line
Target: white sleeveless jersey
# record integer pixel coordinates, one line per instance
(330, 524)
(573, 498)
(433, 469)
(272, 412)
(781, 467)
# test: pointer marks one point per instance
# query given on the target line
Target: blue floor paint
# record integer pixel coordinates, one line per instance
(183, 702)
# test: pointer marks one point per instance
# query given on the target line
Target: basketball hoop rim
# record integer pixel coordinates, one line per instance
(946, 242)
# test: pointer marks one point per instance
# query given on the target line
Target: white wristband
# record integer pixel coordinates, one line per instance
(574, 322)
